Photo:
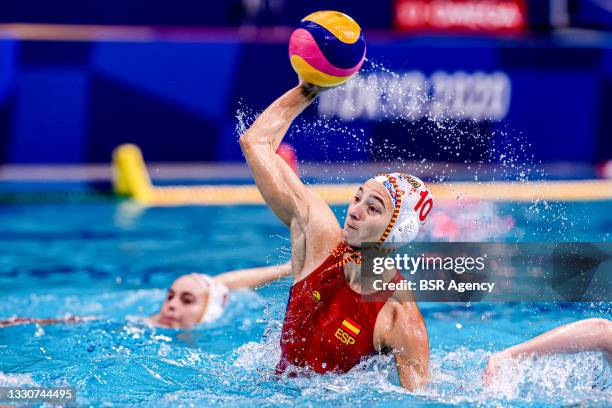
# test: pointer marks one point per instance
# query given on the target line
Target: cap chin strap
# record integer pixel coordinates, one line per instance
(340, 250)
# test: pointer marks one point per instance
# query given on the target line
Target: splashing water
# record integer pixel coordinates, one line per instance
(408, 107)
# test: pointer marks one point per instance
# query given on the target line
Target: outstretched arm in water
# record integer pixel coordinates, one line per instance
(27, 320)
(583, 335)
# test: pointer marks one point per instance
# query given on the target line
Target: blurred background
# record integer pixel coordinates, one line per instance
(78, 78)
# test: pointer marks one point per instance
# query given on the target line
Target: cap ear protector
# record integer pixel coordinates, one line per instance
(405, 231)
(412, 203)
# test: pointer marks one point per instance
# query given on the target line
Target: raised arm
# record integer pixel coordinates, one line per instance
(280, 187)
(583, 335)
(254, 277)
(409, 342)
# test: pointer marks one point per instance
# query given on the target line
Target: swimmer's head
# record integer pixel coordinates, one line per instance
(192, 299)
(185, 303)
(387, 209)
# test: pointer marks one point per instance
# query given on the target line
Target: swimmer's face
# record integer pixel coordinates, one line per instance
(184, 304)
(368, 215)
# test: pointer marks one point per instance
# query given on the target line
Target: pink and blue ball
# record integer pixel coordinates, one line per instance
(327, 49)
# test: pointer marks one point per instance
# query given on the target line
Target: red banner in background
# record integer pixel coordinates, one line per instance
(460, 15)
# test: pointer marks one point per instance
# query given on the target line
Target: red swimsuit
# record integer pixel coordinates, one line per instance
(328, 327)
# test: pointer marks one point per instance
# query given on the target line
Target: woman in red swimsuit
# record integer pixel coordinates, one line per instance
(329, 327)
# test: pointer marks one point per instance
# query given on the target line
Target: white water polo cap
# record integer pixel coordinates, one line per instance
(217, 297)
(412, 203)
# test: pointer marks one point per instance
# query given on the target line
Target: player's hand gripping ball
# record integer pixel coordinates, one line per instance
(327, 49)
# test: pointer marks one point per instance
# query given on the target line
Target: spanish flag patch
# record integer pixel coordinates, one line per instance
(351, 326)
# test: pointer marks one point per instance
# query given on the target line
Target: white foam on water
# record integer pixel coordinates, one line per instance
(17, 380)
(262, 355)
(456, 377)
(569, 376)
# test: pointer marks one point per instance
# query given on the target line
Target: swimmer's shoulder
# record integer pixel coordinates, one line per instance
(317, 248)
(319, 215)
(315, 239)
(315, 221)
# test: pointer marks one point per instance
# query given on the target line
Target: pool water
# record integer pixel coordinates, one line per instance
(114, 261)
